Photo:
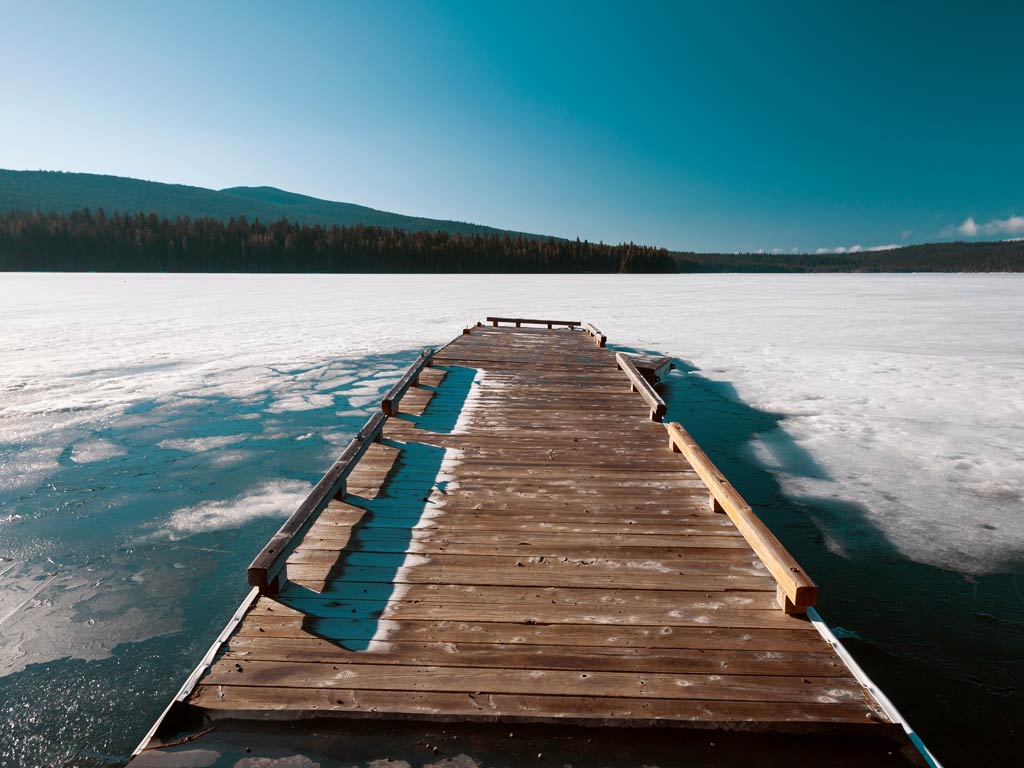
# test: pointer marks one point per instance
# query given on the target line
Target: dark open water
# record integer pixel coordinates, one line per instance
(948, 649)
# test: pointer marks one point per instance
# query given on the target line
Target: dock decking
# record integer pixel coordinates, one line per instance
(517, 538)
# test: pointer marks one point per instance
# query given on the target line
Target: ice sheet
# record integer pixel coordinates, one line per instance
(906, 391)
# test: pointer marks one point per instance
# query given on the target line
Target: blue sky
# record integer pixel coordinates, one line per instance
(706, 126)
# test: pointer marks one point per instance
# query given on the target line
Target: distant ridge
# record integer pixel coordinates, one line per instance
(35, 193)
(61, 192)
(994, 256)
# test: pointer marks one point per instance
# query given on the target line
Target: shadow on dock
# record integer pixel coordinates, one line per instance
(347, 610)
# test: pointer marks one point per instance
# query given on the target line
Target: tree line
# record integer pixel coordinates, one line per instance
(87, 240)
(999, 256)
(84, 240)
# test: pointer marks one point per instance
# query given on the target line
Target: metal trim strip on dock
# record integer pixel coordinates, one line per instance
(873, 690)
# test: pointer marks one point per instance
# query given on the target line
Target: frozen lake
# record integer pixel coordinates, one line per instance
(155, 429)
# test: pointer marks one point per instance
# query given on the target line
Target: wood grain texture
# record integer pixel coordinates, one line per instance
(523, 545)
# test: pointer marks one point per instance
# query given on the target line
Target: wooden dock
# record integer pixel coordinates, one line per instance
(517, 538)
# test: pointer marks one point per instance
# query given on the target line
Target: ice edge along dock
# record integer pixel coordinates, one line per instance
(516, 538)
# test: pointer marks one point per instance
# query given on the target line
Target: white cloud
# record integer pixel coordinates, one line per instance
(856, 248)
(1012, 225)
(968, 228)
(905, 234)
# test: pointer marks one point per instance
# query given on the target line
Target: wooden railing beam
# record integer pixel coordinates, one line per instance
(639, 384)
(796, 587)
(521, 321)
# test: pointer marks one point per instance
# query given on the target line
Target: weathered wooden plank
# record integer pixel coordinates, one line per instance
(640, 539)
(596, 509)
(636, 602)
(479, 705)
(512, 656)
(335, 535)
(328, 551)
(747, 577)
(710, 639)
(535, 613)
(656, 685)
(579, 596)
(705, 561)
(551, 516)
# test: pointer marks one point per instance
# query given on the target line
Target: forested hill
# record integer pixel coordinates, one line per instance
(999, 256)
(59, 192)
(83, 222)
(87, 241)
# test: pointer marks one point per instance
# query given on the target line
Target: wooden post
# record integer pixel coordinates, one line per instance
(273, 587)
(786, 604)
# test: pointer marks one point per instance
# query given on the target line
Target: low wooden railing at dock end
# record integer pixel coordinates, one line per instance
(796, 591)
(521, 321)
